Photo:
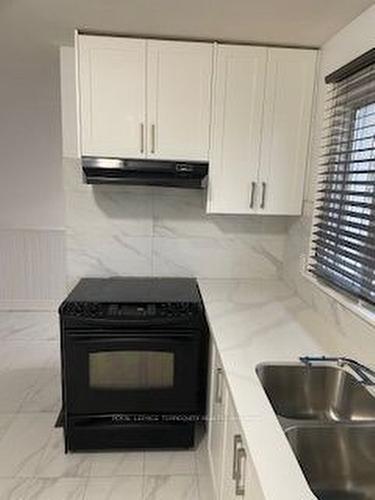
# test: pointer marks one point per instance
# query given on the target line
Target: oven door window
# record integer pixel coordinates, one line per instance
(131, 370)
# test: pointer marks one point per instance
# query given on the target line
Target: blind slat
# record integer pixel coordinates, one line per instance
(332, 247)
(350, 203)
(336, 224)
(355, 237)
(345, 182)
(343, 192)
(348, 141)
(344, 284)
(341, 244)
(337, 212)
(348, 162)
(340, 128)
(360, 266)
(346, 107)
(356, 278)
(345, 237)
(339, 152)
(347, 171)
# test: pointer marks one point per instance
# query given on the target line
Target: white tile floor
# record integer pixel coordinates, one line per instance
(33, 465)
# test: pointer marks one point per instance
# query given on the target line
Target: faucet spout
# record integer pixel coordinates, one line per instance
(366, 374)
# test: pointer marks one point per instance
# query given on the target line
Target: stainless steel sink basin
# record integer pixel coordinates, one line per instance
(338, 460)
(321, 393)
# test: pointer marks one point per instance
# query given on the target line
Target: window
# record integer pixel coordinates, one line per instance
(343, 248)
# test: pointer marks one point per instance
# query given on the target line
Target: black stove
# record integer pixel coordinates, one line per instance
(134, 363)
(135, 290)
(145, 299)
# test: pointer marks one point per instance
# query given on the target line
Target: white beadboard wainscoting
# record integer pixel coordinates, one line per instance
(32, 268)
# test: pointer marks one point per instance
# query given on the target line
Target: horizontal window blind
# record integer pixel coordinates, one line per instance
(343, 244)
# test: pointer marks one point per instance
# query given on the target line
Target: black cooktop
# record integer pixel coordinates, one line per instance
(123, 290)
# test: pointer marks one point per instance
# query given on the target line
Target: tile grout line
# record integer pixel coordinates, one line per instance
(86, 484)
(143, 490)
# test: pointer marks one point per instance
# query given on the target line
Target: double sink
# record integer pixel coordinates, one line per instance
(328, 417)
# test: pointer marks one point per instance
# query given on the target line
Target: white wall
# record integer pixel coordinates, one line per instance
(354, 335)
(31, 195)
(30, 132)
(70, 148)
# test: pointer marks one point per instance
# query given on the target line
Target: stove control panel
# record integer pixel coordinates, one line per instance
(163, 310)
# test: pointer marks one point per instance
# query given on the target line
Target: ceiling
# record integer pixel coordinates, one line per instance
(283, 22)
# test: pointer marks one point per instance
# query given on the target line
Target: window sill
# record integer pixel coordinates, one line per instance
(362, 311)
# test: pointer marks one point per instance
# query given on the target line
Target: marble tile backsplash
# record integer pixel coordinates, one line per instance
(119, 230)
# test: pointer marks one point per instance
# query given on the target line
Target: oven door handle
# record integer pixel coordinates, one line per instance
(132, 336)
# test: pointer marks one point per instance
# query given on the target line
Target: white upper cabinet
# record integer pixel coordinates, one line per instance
(261, 122)
(286, 130)
(112, 90)
(239, 85)
(123, 114)
(178, 99)
(152, 99)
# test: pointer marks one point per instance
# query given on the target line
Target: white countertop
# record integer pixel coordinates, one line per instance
(254, 322)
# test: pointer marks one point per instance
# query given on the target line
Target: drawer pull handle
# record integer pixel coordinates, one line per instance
(142, 138)
(252, 195)
(263, 202)
(237, 443)
(219, 386)
(241, 468)
(153, 138)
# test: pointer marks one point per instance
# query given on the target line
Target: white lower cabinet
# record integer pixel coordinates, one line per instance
(239, 476)
(233, 454)
(233, 473)
(217, 422)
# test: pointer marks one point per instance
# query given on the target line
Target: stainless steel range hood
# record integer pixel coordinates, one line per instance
(144, 172)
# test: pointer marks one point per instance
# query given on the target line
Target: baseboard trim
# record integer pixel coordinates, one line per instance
(29, 305)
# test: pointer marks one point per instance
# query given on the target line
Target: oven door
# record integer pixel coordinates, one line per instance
(133, 372)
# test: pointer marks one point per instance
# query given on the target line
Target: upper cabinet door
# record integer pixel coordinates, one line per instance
(112, 78)
(240, 73)
(179, 87)
(286, 130)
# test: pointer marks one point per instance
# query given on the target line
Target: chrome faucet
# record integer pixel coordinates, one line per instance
(364, 372)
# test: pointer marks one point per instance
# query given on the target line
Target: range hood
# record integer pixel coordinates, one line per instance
(144, 172)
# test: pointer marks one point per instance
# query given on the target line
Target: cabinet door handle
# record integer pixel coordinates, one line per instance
(219, 386)
(263, 202)
(237, 443)
(252, 194)
(153, 138)
(241, 468)
(142, 138)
